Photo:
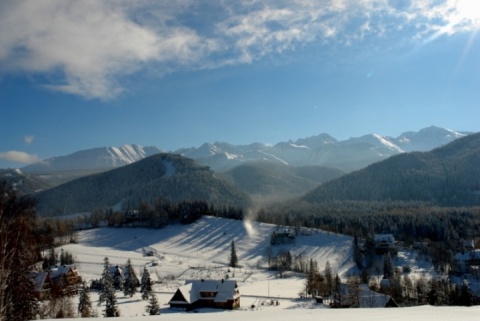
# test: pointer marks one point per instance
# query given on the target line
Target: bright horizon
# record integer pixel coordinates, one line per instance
(79, 75)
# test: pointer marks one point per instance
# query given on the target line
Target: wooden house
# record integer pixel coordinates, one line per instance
(62, 280)
(66, 278)
(221, 294)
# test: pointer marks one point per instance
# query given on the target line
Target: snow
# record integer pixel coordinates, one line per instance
(201, 251)
(388, 144)
(299, 146)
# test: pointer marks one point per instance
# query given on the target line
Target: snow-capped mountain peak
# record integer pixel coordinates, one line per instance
(93, 159)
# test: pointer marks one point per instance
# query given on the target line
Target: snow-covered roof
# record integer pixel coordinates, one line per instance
(61, 270)
(468, 255)
(224, 290)
(372, 299)
(366, 297)
(39, 279)
(384, 238)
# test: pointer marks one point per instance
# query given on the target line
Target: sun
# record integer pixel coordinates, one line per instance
(469, 10)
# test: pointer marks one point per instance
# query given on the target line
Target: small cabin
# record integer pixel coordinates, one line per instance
(385, 243)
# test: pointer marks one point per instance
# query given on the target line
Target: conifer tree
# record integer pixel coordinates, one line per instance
(153, 308)
(387, 266)
(357, 254)
(111, 309)
(62, 257)
(84, 302)
(106, 281)
(107, 293)
(311, 286)
(131, 281)
(52, 259)
(146, 285)
(466, 297)
(23, 304)
(328, 277)
(233, 255)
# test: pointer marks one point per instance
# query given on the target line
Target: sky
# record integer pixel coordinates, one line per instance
(76, 75)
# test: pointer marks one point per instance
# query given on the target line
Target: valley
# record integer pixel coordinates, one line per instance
(200, 251)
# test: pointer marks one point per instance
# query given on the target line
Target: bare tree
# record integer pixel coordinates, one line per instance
(18, 250)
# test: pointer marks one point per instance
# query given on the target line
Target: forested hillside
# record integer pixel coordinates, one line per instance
(23, 183)
(447, 176)
(269, 179)
(166, 176)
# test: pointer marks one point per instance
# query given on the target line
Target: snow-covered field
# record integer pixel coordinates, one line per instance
(202, 249)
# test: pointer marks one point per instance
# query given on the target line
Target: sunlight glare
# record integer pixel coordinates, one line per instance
(469, 10)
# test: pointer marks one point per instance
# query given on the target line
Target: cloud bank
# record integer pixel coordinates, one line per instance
(88, 47)
(19, 157)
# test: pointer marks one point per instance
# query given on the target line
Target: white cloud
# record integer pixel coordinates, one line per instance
(28, 139)
(86, 47)
(19, 157)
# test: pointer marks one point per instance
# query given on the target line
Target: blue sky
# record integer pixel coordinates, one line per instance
(82, 74)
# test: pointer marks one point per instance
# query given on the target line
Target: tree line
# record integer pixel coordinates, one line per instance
(443, 228)
(158, 214)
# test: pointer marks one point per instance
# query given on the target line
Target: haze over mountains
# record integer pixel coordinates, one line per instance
(285, 169)
(324, 150)
(448, 175)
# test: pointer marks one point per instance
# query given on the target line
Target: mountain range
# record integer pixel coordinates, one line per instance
(323, 149)
(447, 175)
(322, 153)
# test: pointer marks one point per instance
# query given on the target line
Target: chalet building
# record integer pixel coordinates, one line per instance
(195, 294)
(42, 284)
(361, 297)
(467, 262)
(63, 280)
(133, 217)
(66, 278)
(385, 243)
(282, 237)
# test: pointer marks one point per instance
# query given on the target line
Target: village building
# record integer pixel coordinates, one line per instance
(222, 294)
(63, 280)
(283, 236)
(385, 243)
(361, 297)
(42, 284)
(467, 262)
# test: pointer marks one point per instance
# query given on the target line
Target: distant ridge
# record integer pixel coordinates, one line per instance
(448, 175)
(322, 150)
